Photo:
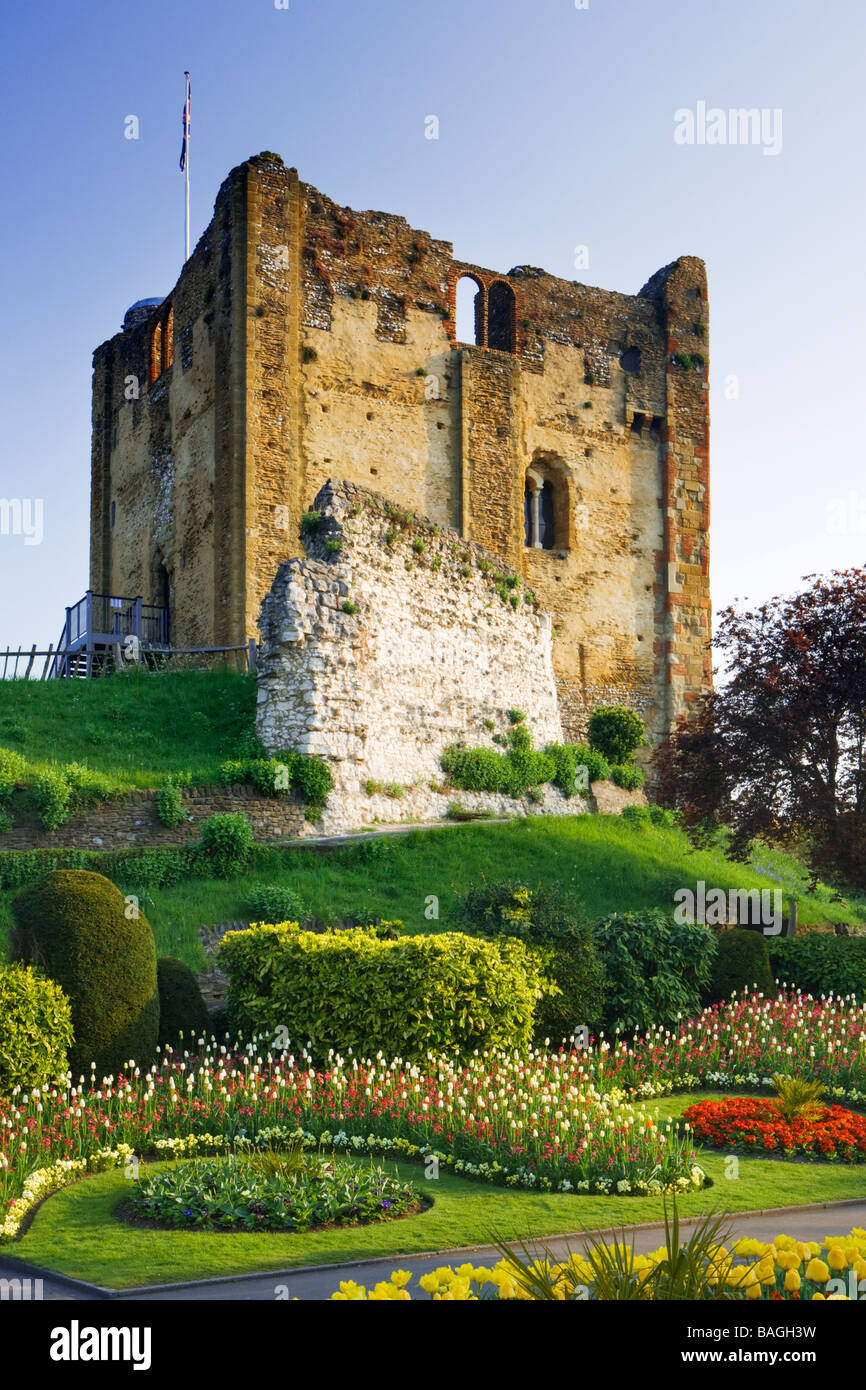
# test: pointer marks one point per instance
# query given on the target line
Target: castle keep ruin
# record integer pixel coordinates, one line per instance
(305, 341)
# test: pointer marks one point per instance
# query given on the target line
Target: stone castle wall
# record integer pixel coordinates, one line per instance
(393, 639)
(312, 340)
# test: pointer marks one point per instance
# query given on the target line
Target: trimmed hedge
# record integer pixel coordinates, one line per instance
(35, 1029)
(548, 918)
(447, 993)
(655, 968)
(742, 962)
(181, 1007)
(820, 964)
(74, 925)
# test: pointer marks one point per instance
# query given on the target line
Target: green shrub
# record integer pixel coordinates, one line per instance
(597, 766)
(304, 773)
(13, 770)
(654, 968)
(545, 917)
(226, 842)
(447, 993)
(272, 903)
(313, 779)
(75, 925)
(741, 963)
(473, 769)
(627, 776)
(181, 1007)
(53, 792)
(819, 963)
(615, 732)
(36, 1031)
(6, 822)
(646, 816)
(169, 805)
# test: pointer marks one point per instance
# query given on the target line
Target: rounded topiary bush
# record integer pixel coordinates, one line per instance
(78, 927)
(35, 1029)
(181, 1007)
(741, 963)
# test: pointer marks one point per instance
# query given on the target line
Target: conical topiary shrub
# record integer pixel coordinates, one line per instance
(78, 927)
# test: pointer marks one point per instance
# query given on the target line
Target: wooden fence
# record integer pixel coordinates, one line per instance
(79, 662)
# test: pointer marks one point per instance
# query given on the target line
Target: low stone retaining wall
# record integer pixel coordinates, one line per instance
(134, 820)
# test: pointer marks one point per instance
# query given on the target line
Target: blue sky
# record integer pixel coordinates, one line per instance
(556, 129)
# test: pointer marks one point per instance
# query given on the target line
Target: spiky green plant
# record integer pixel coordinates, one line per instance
(695, 1269)
(797, 1098)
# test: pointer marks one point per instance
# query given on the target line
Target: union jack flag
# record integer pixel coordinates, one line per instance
(187, 112)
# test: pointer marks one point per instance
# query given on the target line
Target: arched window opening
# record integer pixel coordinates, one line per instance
(501, 317)
(470, 311)
(545, 506)
(546, 525)
(156, 353)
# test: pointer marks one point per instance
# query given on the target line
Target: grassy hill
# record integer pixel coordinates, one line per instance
(608, 864)
(136, 727)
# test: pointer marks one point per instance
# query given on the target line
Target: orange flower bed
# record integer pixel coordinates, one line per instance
(751, 1124)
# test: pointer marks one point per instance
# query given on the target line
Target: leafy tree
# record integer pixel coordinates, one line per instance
(779, 750)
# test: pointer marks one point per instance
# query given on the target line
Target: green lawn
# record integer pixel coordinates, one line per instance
(135, 727)
(610, 865)
(75, 1233)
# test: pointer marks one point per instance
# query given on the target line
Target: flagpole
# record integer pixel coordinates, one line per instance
(186, 171)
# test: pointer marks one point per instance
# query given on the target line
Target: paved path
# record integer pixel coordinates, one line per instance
(320, 1283)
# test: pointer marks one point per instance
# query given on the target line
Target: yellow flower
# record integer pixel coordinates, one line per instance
(816, 1297)
(817, 1271)
(792, 1280)
(400, 1277)
(429, 1283)
(350, 1291)
(788, 1259)
(754, 1290)
(804, 1251)
(836, 1258)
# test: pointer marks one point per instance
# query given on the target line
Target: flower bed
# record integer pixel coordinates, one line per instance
(741, 1044)
(749, 1124)
(533, 1121)
(270, 1192)
(544, 1121)
(785, 1269)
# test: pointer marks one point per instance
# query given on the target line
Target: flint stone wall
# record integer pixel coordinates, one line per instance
(392, 639)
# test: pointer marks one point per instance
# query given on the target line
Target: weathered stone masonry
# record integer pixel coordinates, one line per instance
(393, 639)
(305, 341)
